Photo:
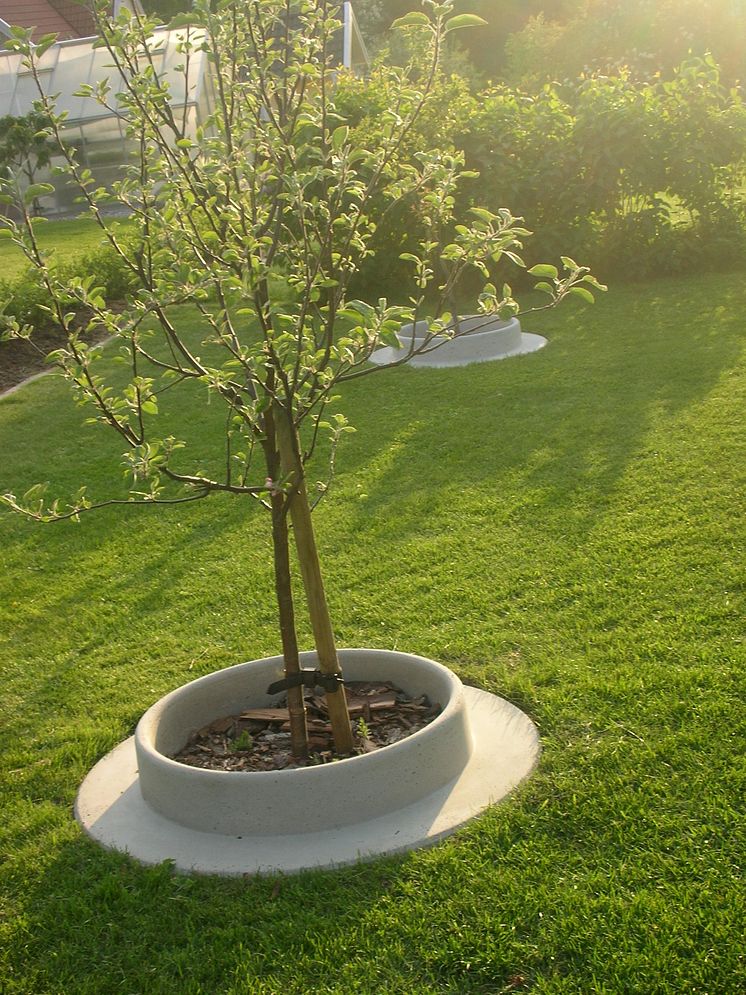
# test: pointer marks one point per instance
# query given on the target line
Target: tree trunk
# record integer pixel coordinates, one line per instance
(284, 594)
(283, 590)
(310, 568)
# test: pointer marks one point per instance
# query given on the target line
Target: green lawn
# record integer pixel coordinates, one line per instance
(69, 238)
(564, 529)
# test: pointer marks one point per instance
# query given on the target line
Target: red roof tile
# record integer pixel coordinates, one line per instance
(38, 14)
(66, 18)
(78, 15)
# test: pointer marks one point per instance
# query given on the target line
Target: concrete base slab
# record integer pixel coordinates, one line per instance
(442, 358)
(111, 809)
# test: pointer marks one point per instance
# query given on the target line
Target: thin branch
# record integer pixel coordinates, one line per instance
(77, 512)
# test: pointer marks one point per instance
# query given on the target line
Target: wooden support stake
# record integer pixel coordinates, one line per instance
(310, 568)
(284, 594)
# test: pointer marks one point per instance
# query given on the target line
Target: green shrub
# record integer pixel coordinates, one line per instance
(27, 300)
(107, 269)
(639, 178)
(635, 177)
(363, 104)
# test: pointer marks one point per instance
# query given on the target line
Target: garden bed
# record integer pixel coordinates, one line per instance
(259, 739)
(21, 359)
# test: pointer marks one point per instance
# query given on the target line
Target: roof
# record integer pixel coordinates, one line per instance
(38, 14)
(78, 15)
(65, 18)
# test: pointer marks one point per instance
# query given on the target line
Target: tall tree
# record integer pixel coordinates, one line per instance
(258, 222)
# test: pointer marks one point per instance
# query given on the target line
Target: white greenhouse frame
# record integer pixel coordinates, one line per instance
(99, 135)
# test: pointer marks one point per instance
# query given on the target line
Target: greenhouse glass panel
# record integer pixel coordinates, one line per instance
(355, 55)
(73, 69)
(98, 134)
(26, 92)
(9, 66)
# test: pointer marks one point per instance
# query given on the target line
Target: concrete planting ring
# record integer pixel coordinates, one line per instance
(410, 794)
(480, 339)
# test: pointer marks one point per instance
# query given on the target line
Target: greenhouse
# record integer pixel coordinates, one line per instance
(99, 136)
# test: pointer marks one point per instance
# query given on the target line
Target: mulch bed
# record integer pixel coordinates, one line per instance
(259, 738)
(20, 359)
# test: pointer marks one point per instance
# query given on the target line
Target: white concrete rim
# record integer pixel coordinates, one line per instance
(530, 342)
(315, 799)
(111, 809)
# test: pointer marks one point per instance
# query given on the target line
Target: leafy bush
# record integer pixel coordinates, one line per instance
(107, 269)
(24, 146)
(606, 36)
(525, 152)
(363, 103)
(638, 177)
(27, 300)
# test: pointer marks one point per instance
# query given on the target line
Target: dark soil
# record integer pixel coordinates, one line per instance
(259, 738)
(20, 359)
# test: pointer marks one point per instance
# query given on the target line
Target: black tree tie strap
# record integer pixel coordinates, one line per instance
(310, 679)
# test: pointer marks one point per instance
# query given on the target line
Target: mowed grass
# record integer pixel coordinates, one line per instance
(69, 238)
(565, 529)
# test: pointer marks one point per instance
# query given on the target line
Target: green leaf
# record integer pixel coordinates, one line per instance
(44, 43)
(37, 190)
(182, 21)
(35, 492)
(414, 17)
(545, 288)
(482, 213)
(339, 137)
(544, 269)
(594, 282)
(464, 21)
(583, 293)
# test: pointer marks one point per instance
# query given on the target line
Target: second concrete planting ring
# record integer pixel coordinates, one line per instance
(481, 339)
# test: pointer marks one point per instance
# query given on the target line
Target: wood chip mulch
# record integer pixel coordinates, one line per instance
(259, 738)
(21, 358)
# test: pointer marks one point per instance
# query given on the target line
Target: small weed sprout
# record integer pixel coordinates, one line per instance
(362, 729)
(243, 742)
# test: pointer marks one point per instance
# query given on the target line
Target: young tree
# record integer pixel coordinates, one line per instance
(25, 148)
(258, 221)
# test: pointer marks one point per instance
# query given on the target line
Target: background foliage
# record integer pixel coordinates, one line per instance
(635, 162)
(542, 40)
(643, 36)
(649, 177)
(636, 177)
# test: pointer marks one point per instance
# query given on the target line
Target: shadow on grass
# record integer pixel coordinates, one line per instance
(533, 435)
(538, 445)
(119, 594)
(94, 921)
(531, 447)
